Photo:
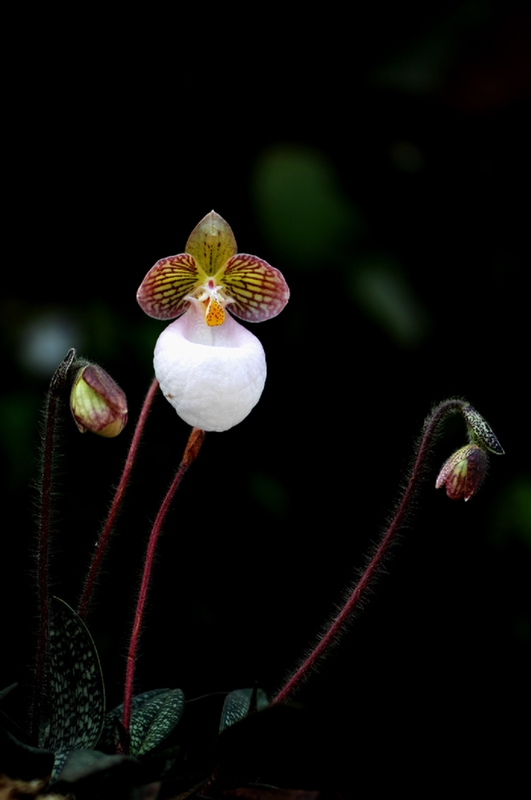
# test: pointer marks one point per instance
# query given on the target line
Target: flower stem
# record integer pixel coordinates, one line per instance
(57, 386)
(116, 503)
(190, 454)
(375, 562)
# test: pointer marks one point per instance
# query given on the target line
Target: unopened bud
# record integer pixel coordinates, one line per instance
(97, 402)
(463, 472)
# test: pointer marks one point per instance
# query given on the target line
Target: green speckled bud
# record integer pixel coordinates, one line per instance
(97, 402)
(480, 431)
(463, 472)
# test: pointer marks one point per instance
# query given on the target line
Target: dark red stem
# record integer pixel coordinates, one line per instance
(192, 449)
(116, 503)
(328, 638)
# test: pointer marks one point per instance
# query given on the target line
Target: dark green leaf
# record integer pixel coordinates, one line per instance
(82, 764)
(20, 760)
(154, 715)
(90, 775)
(77, 695)
(237, 706)
(110, 732)
(8, 689)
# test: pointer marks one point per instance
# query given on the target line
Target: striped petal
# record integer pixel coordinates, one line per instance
(162, 292)
(258, 291)
(211, 243)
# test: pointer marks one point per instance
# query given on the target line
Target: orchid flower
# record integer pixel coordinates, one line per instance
(210, 368)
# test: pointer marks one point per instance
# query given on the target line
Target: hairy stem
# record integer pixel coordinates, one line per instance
(57, 386)
(190, 454)
(375, 562)
(116, 503)
(44, 532)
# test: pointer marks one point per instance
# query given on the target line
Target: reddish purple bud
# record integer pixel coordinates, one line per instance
(463, 472)
(97, 402)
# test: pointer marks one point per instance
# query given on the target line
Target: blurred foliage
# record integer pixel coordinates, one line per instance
(304, 213)
(309, 220)
(383, 292)
(423, 63)
(512, 512)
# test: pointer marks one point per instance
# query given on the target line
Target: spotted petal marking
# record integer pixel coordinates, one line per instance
(257, 289)
(162, 292)
(211, 243)
(215, 314)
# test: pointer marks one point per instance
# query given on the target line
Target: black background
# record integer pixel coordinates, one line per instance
(121, 134)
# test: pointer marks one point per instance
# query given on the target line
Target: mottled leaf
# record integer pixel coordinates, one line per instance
(154, 721)
(110, 732)
(237, 706)
(77, 697)
(154, 715)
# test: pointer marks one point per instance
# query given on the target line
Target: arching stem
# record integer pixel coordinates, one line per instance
(338, 622)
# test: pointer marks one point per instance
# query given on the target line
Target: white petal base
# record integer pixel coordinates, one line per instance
(213, 377)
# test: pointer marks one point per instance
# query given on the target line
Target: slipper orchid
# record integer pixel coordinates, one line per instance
(210, 368)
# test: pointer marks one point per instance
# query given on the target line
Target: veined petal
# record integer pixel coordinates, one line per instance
(211, 243)
(162, 292)
(213, 377)
(257, 289)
